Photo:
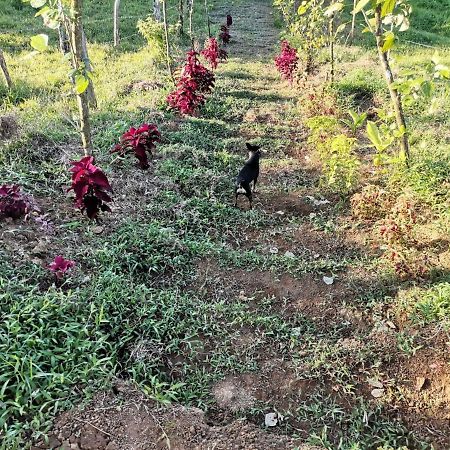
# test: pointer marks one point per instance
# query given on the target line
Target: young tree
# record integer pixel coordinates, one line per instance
(191, 13)
(80, 69)
(5, 71)
(157, 10)
(181, 17)
(394, 14)
(207, 18)
(166, 38)
(116, 19)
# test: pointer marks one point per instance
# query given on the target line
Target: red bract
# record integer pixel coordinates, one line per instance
(90, 185)
(60, 266)
(139, 141)
(195, 81)
(229, 20)
(287, 61)
(13, 203)
(213, 53)
(224, 34)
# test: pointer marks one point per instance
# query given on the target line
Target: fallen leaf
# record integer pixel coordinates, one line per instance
(281, 213)
(420, 383)
(273, 250)
(271, 419)
(377, 393)
(289, 254)
(391, 325)
(328, 280)
(376, 384)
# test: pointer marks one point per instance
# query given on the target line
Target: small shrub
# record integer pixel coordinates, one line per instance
(372, 203)
(340, 164)
(408, 262)
(90, 185)
(14, 203)
(213, 53)
(139, 141)
(60, 266)
(398, 226)
(224, 34)
(313, 103)
(287, 61)
(195, 81)
(153, 33)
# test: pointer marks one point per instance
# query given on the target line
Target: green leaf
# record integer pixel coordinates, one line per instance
(374, 134)
(336, 7)
(341, 28)
(39, 42)
(81, 83)
(360, 6)
(43, 10)
(387, 7)
(389, 40)
(405, 25)
(38, 3)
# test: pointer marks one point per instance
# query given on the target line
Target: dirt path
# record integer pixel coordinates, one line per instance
(311, 346)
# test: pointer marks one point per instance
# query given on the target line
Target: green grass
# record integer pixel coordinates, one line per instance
(132, 305)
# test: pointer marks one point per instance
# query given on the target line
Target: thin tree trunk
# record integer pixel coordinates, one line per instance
(331, 34)
(395, 95)
(352, 29)
(207, 18)
(87, 63)
(116, 22)
(166, 35)
(191, 29)
(181, 17)
(64, 44)
(5, 70)
(157, 10)
(77, 52)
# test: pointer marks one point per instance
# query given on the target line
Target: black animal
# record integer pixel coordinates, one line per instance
(248, 174)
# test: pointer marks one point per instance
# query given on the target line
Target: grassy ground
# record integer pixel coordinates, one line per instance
(203, 304)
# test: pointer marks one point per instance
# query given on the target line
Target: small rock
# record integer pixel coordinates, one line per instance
(98, 230)
(391, 325)
(289, 254)
(271, 419)
(281, 213)
(328, 280)
(376, 384)
(273, 250)
(420, 383)
(377, 393)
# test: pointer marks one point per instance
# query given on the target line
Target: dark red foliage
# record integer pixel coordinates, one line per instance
(14, 203)
(224, 34)
(139, 141)
(229, 20)
(287, 61)
(213, 53)
(195, 81)
(60, 266)
(90, 185)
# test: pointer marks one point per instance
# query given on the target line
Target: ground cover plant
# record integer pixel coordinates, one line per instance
(320, 317)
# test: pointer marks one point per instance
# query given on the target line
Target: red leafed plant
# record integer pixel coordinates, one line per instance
(60, 266)
(229, 20)
(139, 141)
(224, 34)
(213, 53)
(14, 203)
(287, 61)
(90, 185)
(195, 81)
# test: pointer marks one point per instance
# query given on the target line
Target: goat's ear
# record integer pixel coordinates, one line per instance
(252, 148)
